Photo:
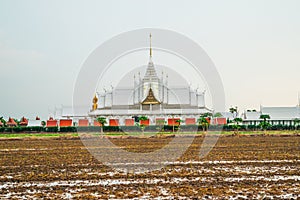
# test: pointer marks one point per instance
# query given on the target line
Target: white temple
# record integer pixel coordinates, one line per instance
(150, 96)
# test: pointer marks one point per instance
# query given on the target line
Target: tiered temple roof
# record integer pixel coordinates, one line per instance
(150, 99)
(11, 122)
(24, 122)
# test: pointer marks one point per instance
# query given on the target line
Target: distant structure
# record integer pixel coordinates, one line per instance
(23, 122)
(35, 122)
(11, 122)
(278, 115)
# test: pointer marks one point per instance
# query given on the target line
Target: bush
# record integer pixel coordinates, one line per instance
(18, 129)
(69, 129)
(169, 128)
(8, 129)
(33, 129)
(130, 129)
(111, 128)
(227, 127)
(215, 127)
(51, 129)
(252, 127)
(82, 128)
(153, 128)
(189, 128)
(98, 128)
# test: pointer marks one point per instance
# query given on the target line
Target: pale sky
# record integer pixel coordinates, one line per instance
(254, 44)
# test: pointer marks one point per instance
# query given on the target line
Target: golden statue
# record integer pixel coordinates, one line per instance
(95, 103)
(150, 99)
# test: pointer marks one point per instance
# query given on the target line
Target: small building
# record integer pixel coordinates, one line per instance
(34, 123)
(65, 122)
(83, 122)
(11, 122)
(219, 121)
(23, 122)
(51, 122)
(278, 115)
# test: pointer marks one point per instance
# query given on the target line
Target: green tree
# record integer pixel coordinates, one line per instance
(204, 121)
(3, 121)
(218, 114)
(296, 124)
(161, 123)
(173, 123)
(234, 111)
(264, 124)
(236, 124)
(102, 121)
(17, 121)
(143, 117)
(179, 121)
(142, 126)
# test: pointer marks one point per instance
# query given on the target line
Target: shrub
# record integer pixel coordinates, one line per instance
(252, 127)
(18, 129)
(169, 128)
(83, 128)
(111, 129)
(190, 128)
(130, 129)
(215, 127)
(33, 129)
(69, 129)
(97, 129)
(51, 129)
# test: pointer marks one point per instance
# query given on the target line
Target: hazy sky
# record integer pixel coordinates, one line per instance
(254, 44)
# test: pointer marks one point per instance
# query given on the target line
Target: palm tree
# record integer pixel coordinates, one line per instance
(173, 123)
(160, 123)
(234, 111)
(143, 117)
(264, 124)
(296, 124)
(102, 121)
(17, 121)
(141, 125)
(216, 116)
(179, 121)
(236, 125)
(3, 121)
(204, 121)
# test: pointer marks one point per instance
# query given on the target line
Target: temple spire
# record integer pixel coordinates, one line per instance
(150, 45)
